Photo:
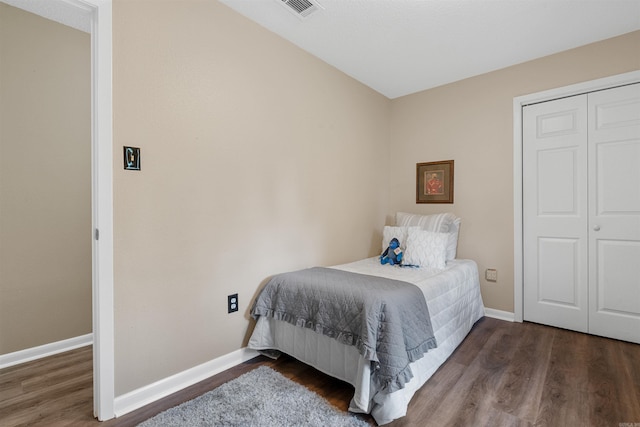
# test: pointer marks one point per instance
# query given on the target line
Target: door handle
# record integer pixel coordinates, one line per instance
(596, 228)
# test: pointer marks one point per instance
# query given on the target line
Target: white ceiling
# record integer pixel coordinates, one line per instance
(398, 47)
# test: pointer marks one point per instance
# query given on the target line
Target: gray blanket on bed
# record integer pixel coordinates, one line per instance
(387, 320)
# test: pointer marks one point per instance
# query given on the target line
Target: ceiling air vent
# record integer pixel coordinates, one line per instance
(301, 8)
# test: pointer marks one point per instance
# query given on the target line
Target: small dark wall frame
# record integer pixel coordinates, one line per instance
(131, 158)
(434, 182)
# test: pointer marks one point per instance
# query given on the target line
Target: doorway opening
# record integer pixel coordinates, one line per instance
(94, 16)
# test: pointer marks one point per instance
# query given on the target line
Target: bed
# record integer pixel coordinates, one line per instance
(453, 304)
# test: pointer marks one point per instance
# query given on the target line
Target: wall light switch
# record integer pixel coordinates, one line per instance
(131, 158)
(491, 275)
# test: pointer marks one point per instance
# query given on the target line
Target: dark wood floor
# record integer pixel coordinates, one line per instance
(503, 374)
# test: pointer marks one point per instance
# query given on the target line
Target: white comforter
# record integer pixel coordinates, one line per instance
(454, 302)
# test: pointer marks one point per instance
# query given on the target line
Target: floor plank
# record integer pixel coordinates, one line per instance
(522, 384)
(566, 382)
(503, 374)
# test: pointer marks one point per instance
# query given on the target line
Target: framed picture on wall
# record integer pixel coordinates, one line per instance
(434, 182)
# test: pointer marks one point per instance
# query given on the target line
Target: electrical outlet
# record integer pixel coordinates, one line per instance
(232, 303)
(491, 275)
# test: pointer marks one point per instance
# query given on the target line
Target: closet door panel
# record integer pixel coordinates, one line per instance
(555, 213)
(617, 262)
(559, 278)
(614, 208)
(617, 162)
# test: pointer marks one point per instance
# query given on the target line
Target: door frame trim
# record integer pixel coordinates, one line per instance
(518, 103)
(102, 182)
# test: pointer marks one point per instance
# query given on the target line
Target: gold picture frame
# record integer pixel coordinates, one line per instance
(434, 182)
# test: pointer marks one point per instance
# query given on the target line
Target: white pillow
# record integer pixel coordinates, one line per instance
(436, 222)
(426, 249)
(452, 243)
(400, 233)
(441, 223)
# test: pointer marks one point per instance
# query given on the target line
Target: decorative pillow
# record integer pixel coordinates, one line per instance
(400, 233)
(426, 249)
(441, 223)
(436, 222)
(452, 242)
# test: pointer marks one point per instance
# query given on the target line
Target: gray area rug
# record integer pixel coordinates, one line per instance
(262, 397)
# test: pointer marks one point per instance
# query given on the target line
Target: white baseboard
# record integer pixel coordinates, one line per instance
(499, 314)
(150, 393)
(33, 353)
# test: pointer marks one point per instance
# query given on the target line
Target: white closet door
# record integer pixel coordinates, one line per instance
(555, 213)
(614, 207)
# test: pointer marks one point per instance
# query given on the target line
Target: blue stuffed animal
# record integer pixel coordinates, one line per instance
(393, 254)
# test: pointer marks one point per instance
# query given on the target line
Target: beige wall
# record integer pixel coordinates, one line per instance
(45, 181)
(257, 158)
(471, 122)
